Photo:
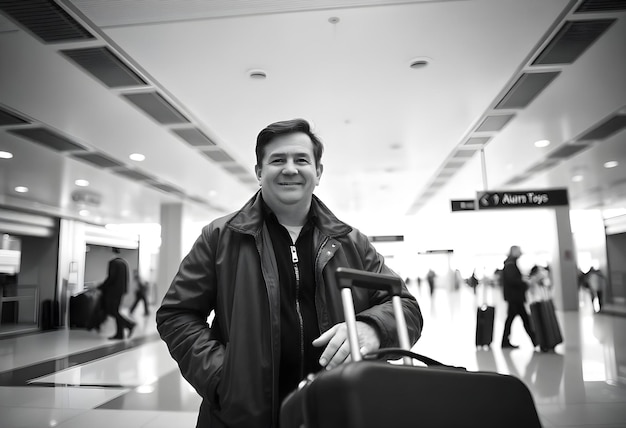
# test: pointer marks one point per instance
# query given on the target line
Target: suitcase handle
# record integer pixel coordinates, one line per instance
(393, 353)
(348, 278)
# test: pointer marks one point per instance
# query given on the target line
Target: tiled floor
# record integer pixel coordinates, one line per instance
(76, 378)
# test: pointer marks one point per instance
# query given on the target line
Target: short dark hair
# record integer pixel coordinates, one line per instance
(285, 127)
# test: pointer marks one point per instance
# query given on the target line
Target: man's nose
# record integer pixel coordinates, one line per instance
(290, 168)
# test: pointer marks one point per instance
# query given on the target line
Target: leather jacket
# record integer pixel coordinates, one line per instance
(231, 270)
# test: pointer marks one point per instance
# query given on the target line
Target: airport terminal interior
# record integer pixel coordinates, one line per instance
(452, 130)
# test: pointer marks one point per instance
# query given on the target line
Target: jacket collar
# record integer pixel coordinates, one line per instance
(249, 219)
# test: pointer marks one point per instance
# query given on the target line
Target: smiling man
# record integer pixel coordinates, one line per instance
(268, 273)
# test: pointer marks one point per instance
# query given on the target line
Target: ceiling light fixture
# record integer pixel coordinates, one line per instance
(21, 189)
(137, 157)
(419, 62)
(611, 164)
(83, 213)
(542, 143)
(578, 178)
(5, 155)
(81, 183)
(333, 20)
(257, 74)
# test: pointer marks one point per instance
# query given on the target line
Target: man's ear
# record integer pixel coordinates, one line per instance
(257, 172)
(319, 170)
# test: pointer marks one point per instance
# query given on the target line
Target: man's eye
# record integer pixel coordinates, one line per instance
(277, 160)
(302, 161)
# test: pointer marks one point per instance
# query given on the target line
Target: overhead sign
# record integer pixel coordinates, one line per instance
(522, 199)
(463, 204)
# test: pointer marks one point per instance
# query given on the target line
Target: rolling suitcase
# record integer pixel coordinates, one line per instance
(369, 392)
(484, 325)
(485, 315)
(85, 308)
(545, 324)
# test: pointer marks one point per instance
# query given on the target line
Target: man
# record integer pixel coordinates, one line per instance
(141, 294)
(113, 289)
(268, 273)
(514, 289)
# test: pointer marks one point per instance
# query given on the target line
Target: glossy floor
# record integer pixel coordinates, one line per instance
(76, 378)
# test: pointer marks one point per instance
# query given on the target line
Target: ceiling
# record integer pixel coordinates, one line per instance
(86, 83)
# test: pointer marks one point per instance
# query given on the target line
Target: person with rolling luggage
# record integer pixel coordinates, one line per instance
(514, 288)
(267, 272)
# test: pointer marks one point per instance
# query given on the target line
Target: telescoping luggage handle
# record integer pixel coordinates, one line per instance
(348, 278)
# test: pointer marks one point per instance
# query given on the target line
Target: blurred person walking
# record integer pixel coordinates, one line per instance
(514, 289)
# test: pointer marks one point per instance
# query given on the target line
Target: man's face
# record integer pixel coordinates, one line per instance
(288, 174)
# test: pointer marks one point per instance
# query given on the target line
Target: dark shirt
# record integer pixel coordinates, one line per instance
(299, 325)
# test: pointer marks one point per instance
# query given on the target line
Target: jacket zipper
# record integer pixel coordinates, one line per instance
(296, 270)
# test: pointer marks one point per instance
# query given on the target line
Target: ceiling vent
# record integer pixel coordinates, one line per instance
(542, 166)
(46, 20)
(133, 174)
(463, 154)
(97, 159)
(494, 123)
(567, 150)
(154, 105)
(10, 118)
(105, 66)
(601, 6)
(572, 40)
(47, 138)
(605, 129)
(236, 169)
(218, 155)
(526, 89)
(194, 137)
(167, 188)
(477, 141)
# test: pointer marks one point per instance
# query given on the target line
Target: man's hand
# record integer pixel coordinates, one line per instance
(338, 347)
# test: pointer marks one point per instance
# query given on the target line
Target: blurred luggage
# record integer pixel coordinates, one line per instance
(485, 315)
(86, 309)
(545, 324)
(369, 392)
(484, 325)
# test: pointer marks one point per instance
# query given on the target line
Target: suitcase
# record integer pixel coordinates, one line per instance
(368, 392)
(484, 325)
(86, 309)
(545, 324)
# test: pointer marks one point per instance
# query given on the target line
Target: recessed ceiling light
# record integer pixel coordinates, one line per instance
(333, 19)
(137, 157)
(257, 74)
(5, 155)
(419, 62)
(81, 183)
(611, 164)
(578, 178)
(21, 189)
(83, 213)
(542, 143)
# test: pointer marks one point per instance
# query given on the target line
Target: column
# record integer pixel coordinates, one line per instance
(170, 254)
(563, 266)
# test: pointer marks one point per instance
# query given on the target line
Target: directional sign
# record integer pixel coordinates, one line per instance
(463, 204)
(522, 199)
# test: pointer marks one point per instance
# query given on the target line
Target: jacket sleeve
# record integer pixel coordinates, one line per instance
(380, 310)
(182, 319)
